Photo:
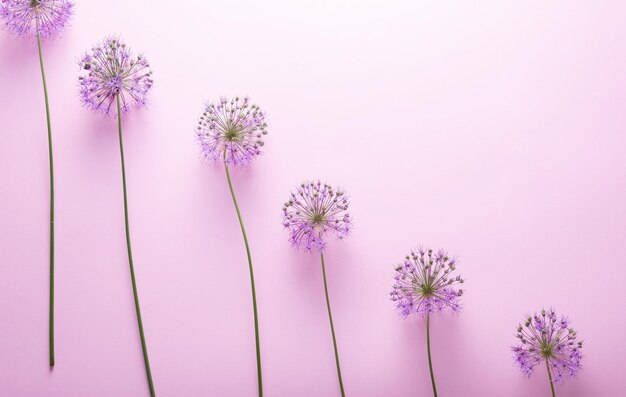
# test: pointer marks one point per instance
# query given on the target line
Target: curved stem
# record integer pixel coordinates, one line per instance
(254, 305)
(332, 328)
(430, 361)
(130, 255)
(550, 377)
(51, 169)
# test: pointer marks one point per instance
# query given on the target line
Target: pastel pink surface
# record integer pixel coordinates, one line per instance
(493, 130)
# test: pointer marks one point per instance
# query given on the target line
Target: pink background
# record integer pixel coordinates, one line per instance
(493, 130)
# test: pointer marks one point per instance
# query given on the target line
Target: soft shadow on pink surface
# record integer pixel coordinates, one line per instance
(493, 130)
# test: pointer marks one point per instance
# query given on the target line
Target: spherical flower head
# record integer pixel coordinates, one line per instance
(425, 283)
(28, 18)
(231, 130)
(111, 69)
(543, 337)
(313, 211)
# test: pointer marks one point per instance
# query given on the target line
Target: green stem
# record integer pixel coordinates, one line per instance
(550, 377)
(130, 255)
(51, 169)
(430, 361)
(254, 305)
(332, 328)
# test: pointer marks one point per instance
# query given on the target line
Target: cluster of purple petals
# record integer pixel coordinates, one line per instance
(424, 283)
(546, 336)
(109, 69)
(27, 18)
(231, 130)
(313, 211)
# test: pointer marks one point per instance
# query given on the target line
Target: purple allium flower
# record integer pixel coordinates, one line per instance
(546, 337)
(231, 130)
(314, 210)
(424, 283)
(110, 68)
(27, 18)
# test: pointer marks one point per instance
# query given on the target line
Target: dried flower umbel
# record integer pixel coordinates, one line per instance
(547, 337)
(425, 284)
(36, 18)
(41, 19)
(113, 75)
(110, 71)
(312, 212)
(232, 131)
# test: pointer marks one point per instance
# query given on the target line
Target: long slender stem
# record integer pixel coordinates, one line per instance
(430, 361)
(254, 305)
(51, 169)
(332, 328)
(550, 377)
(130, 255)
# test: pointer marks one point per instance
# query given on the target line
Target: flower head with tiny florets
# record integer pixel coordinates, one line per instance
(28, 18)
(231, 130)
(424, 283)
(109, 69)
(314, 210)
(546, 337)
